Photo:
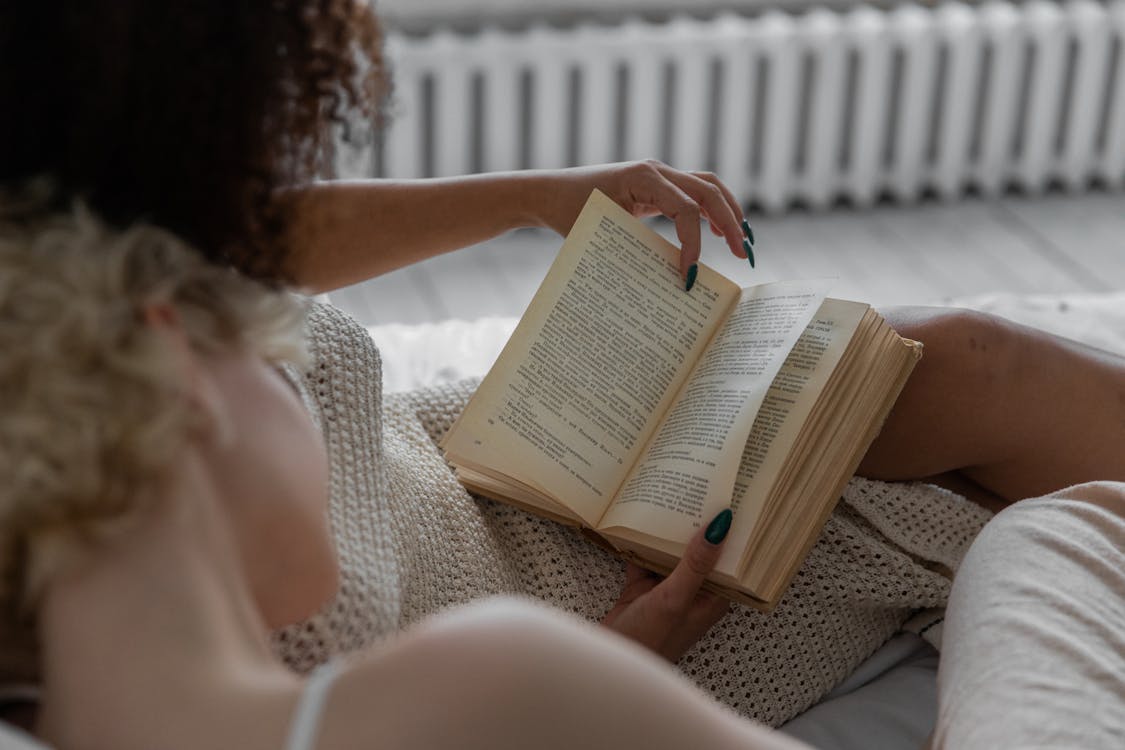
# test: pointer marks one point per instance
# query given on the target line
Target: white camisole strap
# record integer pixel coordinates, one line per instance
(306, 717)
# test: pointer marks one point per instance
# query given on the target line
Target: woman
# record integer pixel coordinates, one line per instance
(225, 149)
(164, 506)
(120, 108)
(212, 120)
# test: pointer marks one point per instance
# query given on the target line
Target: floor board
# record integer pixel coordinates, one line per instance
(1084, 235)
(887, 255)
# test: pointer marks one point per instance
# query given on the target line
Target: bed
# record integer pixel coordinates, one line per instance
(889, 701)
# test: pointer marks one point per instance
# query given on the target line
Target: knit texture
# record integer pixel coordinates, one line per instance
(413, 542)
(342, 390)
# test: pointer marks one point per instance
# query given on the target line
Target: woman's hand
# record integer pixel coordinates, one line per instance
(648, 188)
(670, 615)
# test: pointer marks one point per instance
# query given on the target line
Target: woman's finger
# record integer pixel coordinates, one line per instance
(638, 582)
(685, 212)
(728, 196)
(732, 202)
(715, 200)
(669, 616)
(683, 583)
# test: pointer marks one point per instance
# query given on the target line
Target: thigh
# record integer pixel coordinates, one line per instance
(1033, 652)
(1019, 411)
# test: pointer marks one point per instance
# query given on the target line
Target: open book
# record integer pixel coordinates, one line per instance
(634, 409)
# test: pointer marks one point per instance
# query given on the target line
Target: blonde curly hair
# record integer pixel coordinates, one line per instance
(92, 410)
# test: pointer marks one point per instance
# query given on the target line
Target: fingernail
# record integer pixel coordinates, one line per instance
(717, 529)
(749, 251)
(691, 274)
(746, 230)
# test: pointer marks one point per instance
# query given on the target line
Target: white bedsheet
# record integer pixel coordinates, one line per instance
(415, 356)
(890, 700)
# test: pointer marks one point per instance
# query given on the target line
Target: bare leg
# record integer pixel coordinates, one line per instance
(1016, 410)
(1034, 651)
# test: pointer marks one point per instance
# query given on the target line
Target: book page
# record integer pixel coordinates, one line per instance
(605, 344)
(686, 474)
(784, 412)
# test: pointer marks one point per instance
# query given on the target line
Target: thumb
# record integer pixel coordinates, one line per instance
(699, 559)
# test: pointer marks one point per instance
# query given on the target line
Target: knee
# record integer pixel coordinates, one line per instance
(962, 349)
(948, 329)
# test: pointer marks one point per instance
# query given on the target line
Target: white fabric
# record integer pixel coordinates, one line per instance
(889, 702)
(855, 589)
(305, 723)
(429, 354)
(413, 542)
(892, 703)
(343, 392)
(1036, 628)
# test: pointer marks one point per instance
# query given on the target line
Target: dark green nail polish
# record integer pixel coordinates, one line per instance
(717, 529)
(691, 274)
(748, 231)
(749, 251)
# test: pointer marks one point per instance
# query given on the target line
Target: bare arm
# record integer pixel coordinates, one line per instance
(347, 231)
(509, 675)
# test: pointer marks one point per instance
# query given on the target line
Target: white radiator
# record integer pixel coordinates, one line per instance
(807, 109)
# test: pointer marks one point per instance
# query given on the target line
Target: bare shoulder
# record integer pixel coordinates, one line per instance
(426, 687)
(505, 676)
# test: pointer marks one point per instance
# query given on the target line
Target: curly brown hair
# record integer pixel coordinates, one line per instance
(187, 114)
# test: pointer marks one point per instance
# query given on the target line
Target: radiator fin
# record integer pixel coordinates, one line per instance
(787, 109)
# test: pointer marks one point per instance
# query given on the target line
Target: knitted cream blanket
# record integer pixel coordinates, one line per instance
(412, 542)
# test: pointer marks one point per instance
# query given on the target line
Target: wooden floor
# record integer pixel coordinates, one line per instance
(888, 255)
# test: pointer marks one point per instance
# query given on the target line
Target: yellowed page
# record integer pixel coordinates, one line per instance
(687, 472)
(785, 410)
(596, 360)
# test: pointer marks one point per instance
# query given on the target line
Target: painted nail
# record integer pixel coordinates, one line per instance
(746, 230)
(717, 529)
(749, 251)
(691, 274)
